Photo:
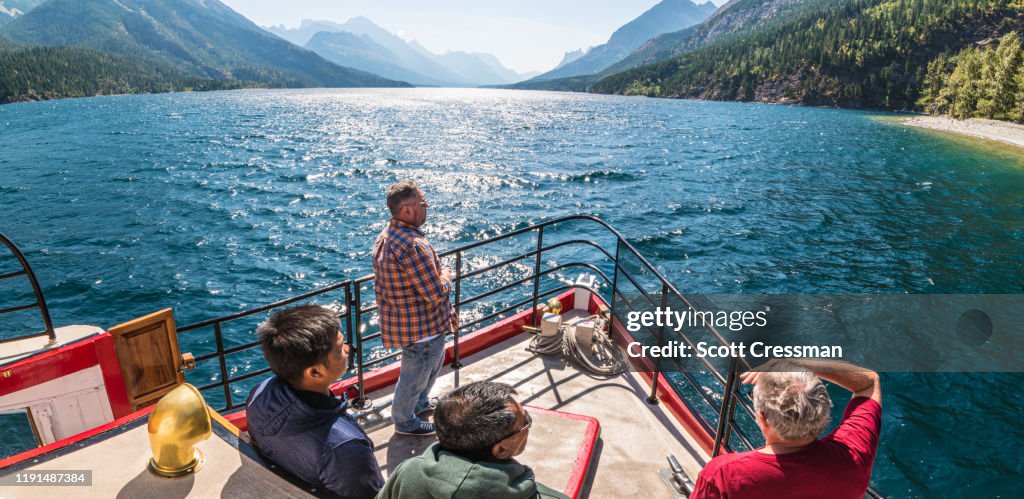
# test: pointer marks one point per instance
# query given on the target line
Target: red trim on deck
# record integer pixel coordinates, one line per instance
(596, 304)
(113, 380)
(82, 354)
(48, 366)
(238, 419)
(38, 451)
(582, 466)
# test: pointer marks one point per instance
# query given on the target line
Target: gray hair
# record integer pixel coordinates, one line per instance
(795, 403)
(474, 417)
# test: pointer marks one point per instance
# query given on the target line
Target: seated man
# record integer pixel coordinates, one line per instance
(480, 428)
(293, 417)
(792, 408)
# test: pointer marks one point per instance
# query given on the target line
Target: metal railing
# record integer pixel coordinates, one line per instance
(40, 303)
(353, 311)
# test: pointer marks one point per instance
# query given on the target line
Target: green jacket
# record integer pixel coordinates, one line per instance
(438, 474)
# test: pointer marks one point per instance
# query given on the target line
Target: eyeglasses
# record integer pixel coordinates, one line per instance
(529, 423)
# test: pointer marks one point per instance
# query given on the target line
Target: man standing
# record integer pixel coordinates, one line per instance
(792, 408)
(412, 299)
(295, 419)
(481, 428)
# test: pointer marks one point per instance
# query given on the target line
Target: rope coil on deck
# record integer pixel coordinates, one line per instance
(611, 358)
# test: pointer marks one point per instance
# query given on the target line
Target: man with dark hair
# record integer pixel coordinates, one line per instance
(293, 417)
(792, 408)
(480, 429)
(412, 299)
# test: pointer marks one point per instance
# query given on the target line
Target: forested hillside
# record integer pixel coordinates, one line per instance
(40, 73)
(852, 53)
(978, 82)
(738, 17)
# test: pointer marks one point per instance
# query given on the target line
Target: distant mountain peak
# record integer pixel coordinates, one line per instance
(452, 68)
(665, 17)
(361, 20)
(572, 56)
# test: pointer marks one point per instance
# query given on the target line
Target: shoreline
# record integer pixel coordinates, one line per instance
(999, 131)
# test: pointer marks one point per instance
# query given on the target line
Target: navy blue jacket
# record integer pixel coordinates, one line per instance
(312, 437)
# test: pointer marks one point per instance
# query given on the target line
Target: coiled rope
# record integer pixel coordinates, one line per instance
(610, 360)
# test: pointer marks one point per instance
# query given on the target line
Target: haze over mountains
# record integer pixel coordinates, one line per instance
(376, 50)
(665, 17)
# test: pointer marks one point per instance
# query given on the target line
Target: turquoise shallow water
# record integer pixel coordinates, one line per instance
(213, 203)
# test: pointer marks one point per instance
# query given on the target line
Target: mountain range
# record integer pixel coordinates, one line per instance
(665, 17)
(359, 43)
(360, 51)
(735, 17)
(201, 38)
(889, 54)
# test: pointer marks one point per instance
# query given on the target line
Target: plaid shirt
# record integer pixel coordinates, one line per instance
(412, 298)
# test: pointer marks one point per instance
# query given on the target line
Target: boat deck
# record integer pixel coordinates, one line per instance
(635, 437)
(628, 453)
(17, 350)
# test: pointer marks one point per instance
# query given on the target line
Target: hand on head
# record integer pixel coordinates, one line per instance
(752, 377)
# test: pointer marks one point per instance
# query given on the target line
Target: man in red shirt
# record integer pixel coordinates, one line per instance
(792, 408)
(412, 300)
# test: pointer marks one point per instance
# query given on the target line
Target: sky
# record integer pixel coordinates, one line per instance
(525, 35)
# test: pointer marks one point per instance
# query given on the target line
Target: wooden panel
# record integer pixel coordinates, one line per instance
(147, 350)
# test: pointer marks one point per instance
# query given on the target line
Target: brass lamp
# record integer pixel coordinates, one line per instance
(180, 421)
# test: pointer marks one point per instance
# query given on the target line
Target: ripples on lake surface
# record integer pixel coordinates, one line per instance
(217, 202)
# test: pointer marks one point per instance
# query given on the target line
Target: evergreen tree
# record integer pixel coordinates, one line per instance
(1005, 86)
(966, 84)
(986, 84)
(1018, 112)
(933, 99)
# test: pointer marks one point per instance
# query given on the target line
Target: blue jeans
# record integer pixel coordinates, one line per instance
(420, 364)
